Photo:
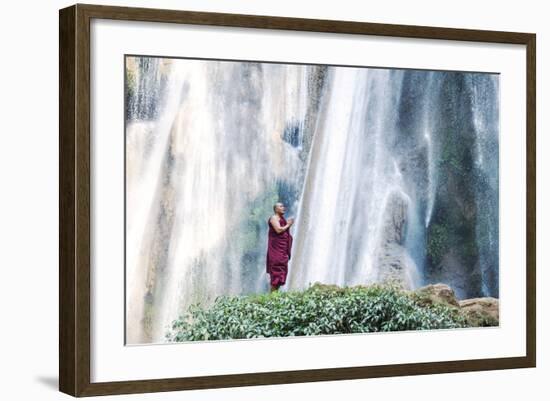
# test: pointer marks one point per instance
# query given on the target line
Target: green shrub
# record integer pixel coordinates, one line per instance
(318, 310)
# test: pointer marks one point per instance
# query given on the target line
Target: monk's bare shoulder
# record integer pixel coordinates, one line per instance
(274, 220)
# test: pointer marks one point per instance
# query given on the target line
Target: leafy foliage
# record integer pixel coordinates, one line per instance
(318, 310)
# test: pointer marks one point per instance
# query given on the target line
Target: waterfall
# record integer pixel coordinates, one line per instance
(351, 221)
(146, 147)
(485, 97)
(373, 163)
(202, 178)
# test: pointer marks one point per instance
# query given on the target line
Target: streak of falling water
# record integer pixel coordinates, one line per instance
(428, 132)
(144, 171)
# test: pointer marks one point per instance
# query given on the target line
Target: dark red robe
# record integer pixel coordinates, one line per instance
(278, 253)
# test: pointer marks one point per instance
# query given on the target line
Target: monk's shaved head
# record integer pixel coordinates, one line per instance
(276, 205)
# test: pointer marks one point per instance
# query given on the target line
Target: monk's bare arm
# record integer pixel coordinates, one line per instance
(277, 227)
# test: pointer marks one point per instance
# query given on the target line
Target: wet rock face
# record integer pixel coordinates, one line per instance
(395, 263)
(451, 270)
(462, 234)
(395, 218)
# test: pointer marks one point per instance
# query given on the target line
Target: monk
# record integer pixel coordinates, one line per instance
(279, 244)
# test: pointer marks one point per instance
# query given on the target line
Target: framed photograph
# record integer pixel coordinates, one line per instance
(250, 200)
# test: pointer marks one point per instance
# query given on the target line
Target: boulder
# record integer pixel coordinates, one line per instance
(481, 311)
(437, 293)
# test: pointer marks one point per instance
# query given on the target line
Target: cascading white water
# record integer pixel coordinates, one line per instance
(146, 146)
(214, 152)
(354, 183)
(356, 153)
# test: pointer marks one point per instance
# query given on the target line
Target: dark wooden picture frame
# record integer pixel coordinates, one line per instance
(74, 199)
